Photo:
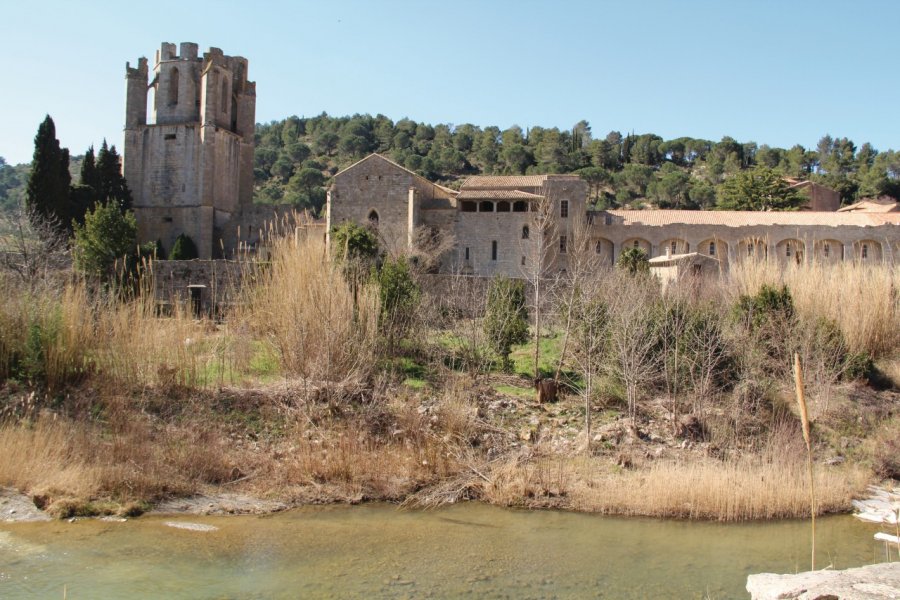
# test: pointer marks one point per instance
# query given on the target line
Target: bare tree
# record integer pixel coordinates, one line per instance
(31, 246)
(633, 341)
(539, 250)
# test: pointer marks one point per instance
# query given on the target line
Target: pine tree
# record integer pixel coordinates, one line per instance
(48, 185)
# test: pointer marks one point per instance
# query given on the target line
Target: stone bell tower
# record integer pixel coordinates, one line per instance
(190, 164)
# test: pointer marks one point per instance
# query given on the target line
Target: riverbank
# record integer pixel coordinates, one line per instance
(287, 444)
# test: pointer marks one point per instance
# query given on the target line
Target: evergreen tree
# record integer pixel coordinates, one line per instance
(506, 317)
(183, 249)
(112, 185)
(48, 185)
(90, 176)
(106, 238)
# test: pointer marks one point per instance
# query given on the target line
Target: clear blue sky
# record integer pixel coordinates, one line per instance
(775, 72)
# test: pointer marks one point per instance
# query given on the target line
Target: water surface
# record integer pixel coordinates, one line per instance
(378, 551)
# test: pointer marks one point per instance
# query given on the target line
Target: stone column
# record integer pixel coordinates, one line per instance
(412, 215)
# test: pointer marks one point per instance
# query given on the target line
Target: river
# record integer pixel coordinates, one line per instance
(378, 551)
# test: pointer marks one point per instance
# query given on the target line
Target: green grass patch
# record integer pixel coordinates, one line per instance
(514, 390)
(522, 356)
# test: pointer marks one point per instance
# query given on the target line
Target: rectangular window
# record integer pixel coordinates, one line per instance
(564, 209)
(170, 136)
(827, 250)
(494, 250)
(563, 244)
(523, 261)
(712, 248)
(467, 253)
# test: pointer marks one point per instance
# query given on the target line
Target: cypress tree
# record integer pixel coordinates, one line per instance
(48, 185)
(90, 176)
(112, 185)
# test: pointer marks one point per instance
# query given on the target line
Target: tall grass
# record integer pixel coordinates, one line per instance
(302, 305)
(864, 300)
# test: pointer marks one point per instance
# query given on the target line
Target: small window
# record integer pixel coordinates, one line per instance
(599, 248)
(170, 136)
(373, 218)
(788, 249)
(469, 206)
(523, 261)
(563, 244)
(865, 251)
(467, 253)
(564, 209)
(167, 219)
(749, 249)
(173, 88)
(637, 244)
(826, 250)
(520, 206)
(503, 206)
(525, 232)
(712, 248)
(225, 103)
(494, 250)
(608, 220)
(486, 206)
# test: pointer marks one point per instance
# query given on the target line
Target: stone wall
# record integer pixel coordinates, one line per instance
(216, 282)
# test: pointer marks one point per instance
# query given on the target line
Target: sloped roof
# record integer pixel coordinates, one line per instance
(665, 261)
(881, 204)
(510, 181)
(467, 194)
(748, 218)
(421, 179)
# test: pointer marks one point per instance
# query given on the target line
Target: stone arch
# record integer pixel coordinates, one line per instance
(867, 251)
(485, 206)
(604, 250)
(715, 248)
(752, 248)
(172, 96)
(637, 243)
(675, 246)
(828, 251)
(791, 250)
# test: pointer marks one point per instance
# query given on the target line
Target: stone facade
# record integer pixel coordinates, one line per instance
(190, 165)
(491, 219)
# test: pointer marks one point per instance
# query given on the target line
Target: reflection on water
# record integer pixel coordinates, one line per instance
(379, 551)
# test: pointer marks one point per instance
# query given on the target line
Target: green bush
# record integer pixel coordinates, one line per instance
(506, 317)
(183, 249)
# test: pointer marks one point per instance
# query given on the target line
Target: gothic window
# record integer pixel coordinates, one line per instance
(503, 206)
(525, 232)
(173, 87)
(520, 206)
(494, 250)
(373, 218)
(563, 244)
(564, 209)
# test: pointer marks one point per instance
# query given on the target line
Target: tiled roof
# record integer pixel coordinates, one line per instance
(882, 204)
(467, 194)
(503, 181)
(747, 218)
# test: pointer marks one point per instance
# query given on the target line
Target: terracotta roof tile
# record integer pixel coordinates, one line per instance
(737, 218)
(468, 194)
(510, 181)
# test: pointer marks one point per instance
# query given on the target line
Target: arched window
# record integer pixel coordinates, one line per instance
(225, 96)
(486, 206)
(373, 218)
(173, 87)
(525, 232)
(520, 206)
(469, 206)
(503, 206)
